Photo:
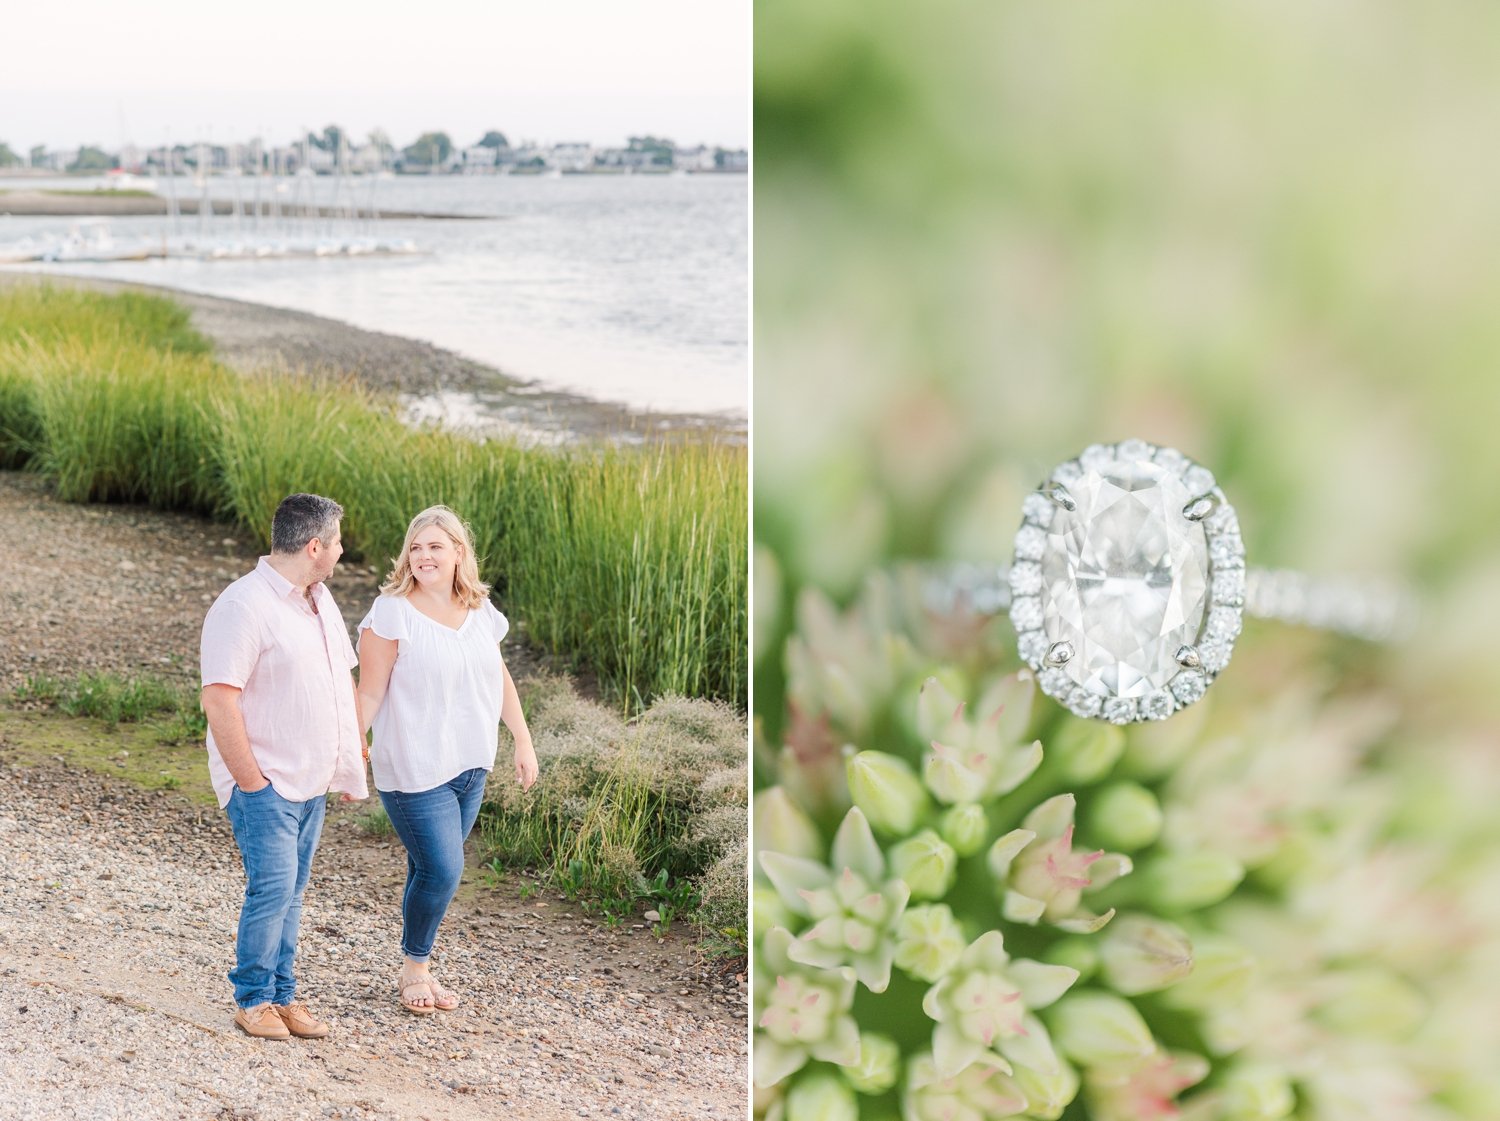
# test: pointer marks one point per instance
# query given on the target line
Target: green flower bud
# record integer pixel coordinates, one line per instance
(983, 1089)
(1294, 856)
(1048, 1092)
(767, 909)
(1221, 975)
(929, 942)
(834, 663)
(1253, 1092)
(1372, 1003)
(768, 1103)
(879, 1064)
(821, 1095)
(934, 704)
(965, 828)
(780, 824)
(1125, 816)
(1080, 954)
(767, 601)
(1099, 1029)
(1186, 881)
(951, 780)
(926, 863)
(1149, 1084)
(1085, 750)
(1142, 954)
(1155, 748)
(889, 793)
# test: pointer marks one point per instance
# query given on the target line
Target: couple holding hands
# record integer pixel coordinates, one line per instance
(287, 725)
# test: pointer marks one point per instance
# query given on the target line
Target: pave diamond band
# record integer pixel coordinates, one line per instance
(1372, 610)
(1128, 587)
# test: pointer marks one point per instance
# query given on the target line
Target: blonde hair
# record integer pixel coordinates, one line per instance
(467, 586)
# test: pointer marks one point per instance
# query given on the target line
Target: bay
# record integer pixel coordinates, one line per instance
(624, 288)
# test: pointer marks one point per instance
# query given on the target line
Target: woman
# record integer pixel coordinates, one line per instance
(432, 682)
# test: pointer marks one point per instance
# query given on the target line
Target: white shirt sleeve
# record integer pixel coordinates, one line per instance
(386, 618)
(498, 621)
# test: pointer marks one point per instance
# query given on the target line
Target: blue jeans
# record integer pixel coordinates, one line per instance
(432, 824)
(277, 839)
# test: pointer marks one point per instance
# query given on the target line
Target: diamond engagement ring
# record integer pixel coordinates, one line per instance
(1129, 586)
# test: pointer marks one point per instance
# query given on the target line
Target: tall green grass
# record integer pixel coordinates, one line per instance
(631, 563)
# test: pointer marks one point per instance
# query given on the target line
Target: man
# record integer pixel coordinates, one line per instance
(283, 730)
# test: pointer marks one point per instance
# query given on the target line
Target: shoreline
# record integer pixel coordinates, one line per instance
(471, 396)
(106, 204)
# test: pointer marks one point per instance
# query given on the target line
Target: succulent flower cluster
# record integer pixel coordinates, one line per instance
(996, 909)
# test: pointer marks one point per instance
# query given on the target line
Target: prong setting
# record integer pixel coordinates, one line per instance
(1059, 494)
(1200, 508)
(1059, 654)
(1187, 657)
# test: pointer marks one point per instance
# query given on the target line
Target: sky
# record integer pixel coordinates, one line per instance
(101, 72)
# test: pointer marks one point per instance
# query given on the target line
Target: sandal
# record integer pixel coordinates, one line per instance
(444, 1000)
(418, 1009)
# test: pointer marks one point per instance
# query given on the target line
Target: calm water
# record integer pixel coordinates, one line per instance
(625, 288)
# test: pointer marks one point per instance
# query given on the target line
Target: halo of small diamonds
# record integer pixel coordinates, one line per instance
(1212, 643)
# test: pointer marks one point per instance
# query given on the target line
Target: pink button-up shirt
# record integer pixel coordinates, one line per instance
(292, 666)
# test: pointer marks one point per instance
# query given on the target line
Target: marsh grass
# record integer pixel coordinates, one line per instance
(629, 562)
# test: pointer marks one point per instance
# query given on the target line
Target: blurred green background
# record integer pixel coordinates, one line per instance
(1267, 234)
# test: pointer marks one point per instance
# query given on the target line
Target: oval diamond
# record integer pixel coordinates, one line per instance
(1125, 574)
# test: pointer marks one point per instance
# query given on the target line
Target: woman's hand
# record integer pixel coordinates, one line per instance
(525, 765)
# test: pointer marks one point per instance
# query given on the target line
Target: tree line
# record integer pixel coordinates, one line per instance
(429, 149)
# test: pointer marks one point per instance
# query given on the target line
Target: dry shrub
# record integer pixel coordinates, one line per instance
(617, 804)
(693, 739)
(729, 787)
(724, 889)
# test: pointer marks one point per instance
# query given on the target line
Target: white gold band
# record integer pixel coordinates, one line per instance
(1372, 610)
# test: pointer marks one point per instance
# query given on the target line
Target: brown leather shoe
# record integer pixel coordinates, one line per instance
(299, 1021)
(261, 1022)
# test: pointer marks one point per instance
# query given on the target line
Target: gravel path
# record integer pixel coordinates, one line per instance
(117, 913)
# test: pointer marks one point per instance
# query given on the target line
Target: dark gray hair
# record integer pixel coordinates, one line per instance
(300, 518)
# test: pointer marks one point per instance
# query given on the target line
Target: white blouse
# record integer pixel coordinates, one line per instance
(441, 712)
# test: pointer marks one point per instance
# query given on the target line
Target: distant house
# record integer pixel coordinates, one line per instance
(571, 156)
(630, 159)
(367, 159)
(479, 160)
(321, 162)
(528, 157)
(737, 159)
(700, 158)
